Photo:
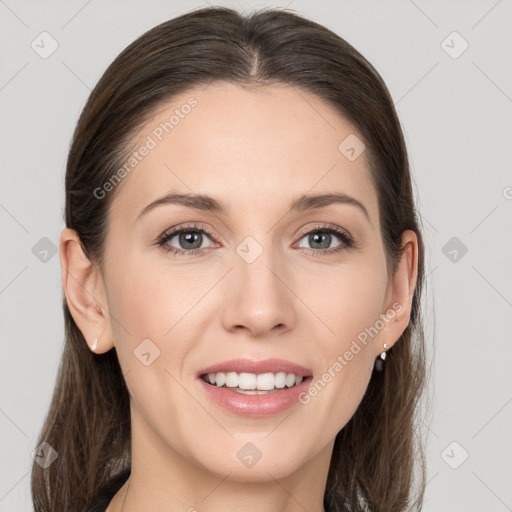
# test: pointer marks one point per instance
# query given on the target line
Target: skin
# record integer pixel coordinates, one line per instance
(255, 150)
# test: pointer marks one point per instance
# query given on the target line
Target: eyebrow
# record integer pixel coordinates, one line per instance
(209, 204)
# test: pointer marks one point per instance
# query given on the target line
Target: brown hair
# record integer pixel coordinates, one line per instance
(88, 423)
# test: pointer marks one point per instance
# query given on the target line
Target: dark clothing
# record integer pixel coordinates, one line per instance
(107, 492)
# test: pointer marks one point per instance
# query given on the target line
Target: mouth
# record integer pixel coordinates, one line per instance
(253, 383)
(254, 389)
(248, 377)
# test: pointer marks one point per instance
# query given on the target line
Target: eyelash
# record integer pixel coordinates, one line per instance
(347, 241)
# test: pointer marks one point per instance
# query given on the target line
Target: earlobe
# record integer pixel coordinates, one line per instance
(402, 286)
(85, 293)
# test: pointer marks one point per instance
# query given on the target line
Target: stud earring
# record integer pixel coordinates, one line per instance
(94, 345)
(379, 363)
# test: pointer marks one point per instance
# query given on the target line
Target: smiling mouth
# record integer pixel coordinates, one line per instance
(252, 383)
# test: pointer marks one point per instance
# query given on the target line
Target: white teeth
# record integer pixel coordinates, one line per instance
(253, 391)
(247, 381)
(263, 382)
(290, 380)
(220, 379)
(231, 379)
(280, 380)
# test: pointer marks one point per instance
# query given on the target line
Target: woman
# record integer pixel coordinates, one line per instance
(242, 269)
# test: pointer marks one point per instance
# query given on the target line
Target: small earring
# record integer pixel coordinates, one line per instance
(94, 345)
(379, 363)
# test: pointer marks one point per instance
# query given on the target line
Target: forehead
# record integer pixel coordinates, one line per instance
(246, 146)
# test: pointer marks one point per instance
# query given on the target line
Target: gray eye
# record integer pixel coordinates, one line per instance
(189, 239)
(319, 239)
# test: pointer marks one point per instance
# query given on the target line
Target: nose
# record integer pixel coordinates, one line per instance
(259, 298)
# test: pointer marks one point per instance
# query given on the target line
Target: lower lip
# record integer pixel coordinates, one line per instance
(255, 406)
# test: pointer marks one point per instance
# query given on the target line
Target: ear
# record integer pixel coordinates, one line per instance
(400, 293)
(84, 288)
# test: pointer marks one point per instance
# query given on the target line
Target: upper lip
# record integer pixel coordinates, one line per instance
(242, 365)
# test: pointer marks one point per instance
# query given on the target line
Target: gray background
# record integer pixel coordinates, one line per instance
(456, 116)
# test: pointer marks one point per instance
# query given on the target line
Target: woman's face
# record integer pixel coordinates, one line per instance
(258, 274)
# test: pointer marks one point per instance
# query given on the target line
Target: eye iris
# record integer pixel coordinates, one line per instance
(190, 237)
(319, 238)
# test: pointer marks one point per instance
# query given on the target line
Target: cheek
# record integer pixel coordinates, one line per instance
(149, 300)
(154, 317)
(349, 304)
(150, 326)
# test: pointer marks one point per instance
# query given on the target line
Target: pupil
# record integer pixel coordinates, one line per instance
(191, 238)
(314, 239)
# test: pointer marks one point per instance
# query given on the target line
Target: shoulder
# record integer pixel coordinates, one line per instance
(107, 492)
